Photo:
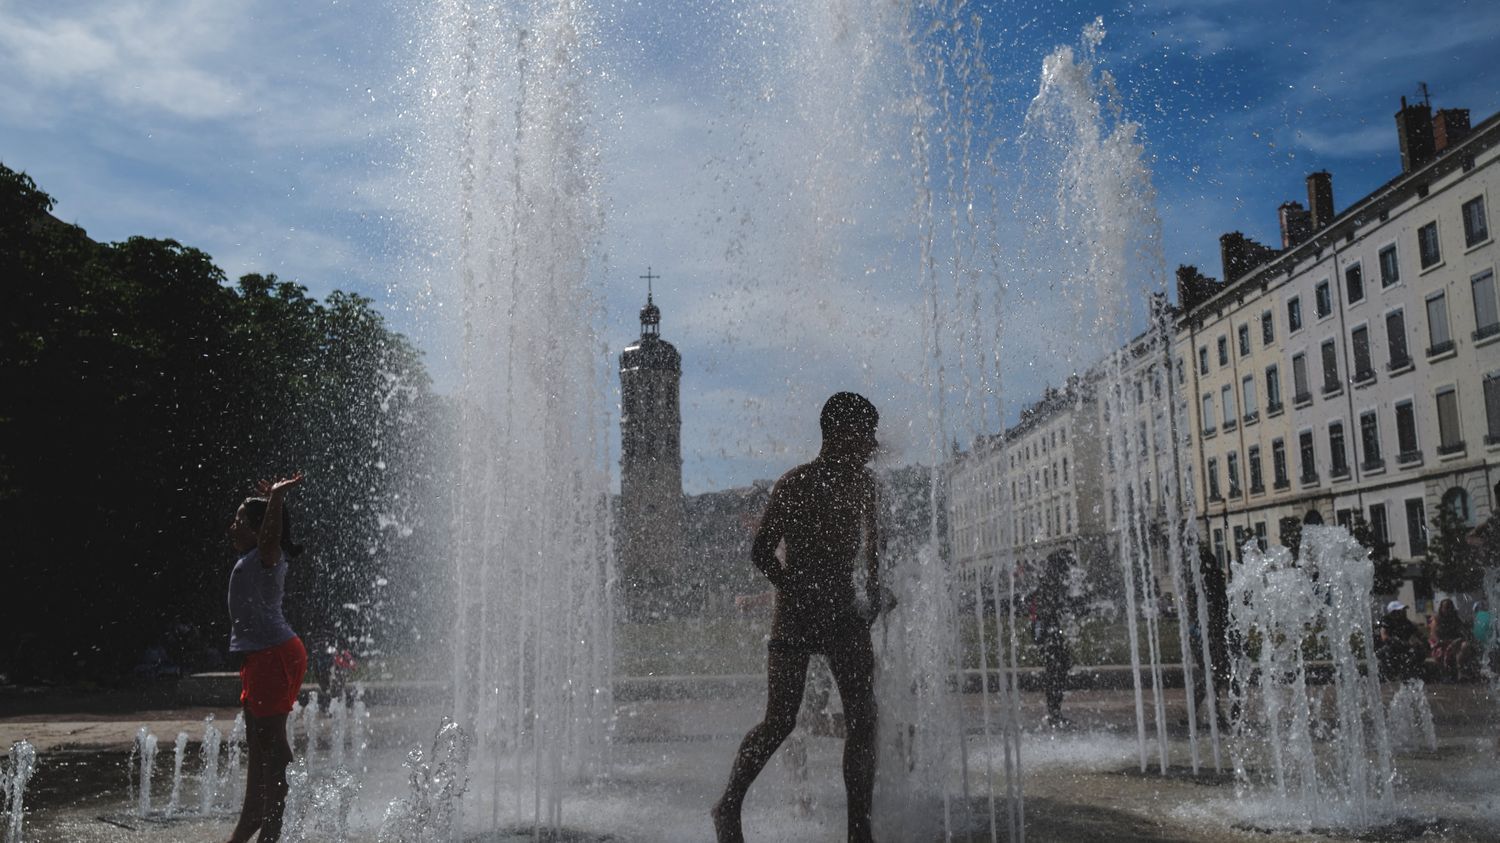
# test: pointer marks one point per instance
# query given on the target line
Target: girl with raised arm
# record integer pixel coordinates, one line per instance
(274, 658)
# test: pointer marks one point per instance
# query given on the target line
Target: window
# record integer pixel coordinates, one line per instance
(1308, 456)
(1257, 482)
(1244, 335)
(1359, 338)
(1208, 414)
(1456, 500)
(1395, 340)
(1428, 250)
(1247, 397)
(1300, 390)
(1390, 268)
(1232, 464)
(1338, 458)
(1380, 529)
(1219, 546)
(1293, 315)
(1223, 351)
(1330, 368)
(1278, 464)
(1354, 284)
(1267, 328)
(1140, 392)
(1475, 229)
(1486, 316)
(1406, 433)
(1416, 527)
(1273, 389)
(1260, 536)
(1437, 325)
(1203, 360)
(1181, 372)
(1226, 401)
(1213, 479)
(1492, 409)
(1323, 299)
(1369, 441)
(1065, 469)
(1144, 440)
(1449, 439)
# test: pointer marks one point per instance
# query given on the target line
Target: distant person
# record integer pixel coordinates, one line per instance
(1216, 596)
(274, 658)
(1484, 631)
(1452, 648)
(1049, 614)
(1399, 646)
(825, 512)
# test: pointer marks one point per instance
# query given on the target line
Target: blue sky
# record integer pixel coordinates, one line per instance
(277, 137)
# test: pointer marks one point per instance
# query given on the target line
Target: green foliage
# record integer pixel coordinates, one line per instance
(1452, 564)
(1389, 573)
(141, 395)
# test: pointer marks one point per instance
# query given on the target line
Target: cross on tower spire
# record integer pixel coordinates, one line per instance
(650, 314)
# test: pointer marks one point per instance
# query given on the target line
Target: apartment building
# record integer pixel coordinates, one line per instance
(1031, 490)
(1355, 369)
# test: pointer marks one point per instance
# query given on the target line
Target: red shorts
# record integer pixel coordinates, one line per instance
(271, 678)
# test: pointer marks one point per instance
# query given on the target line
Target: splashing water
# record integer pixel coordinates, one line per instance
(208, 776)
(145, 752)
(14, 777)
(1289, 605)
(179, 753)
(433, 810)
(1410, 718)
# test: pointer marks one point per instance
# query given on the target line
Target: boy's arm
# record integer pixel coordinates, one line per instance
(768, 537)
(269, 539)
(874, 546)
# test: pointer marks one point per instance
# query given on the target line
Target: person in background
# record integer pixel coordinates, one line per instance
(1452, 648)
(274, 657)
(1050, 610)
(1399, 646)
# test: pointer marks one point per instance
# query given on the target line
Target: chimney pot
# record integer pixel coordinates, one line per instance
(1414, 131)
(1320, 200)
(1296, 224)
(1449, 126)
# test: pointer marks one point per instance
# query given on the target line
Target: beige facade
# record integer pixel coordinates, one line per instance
(1354, 369)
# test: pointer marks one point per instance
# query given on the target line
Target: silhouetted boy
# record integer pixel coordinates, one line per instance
(825, 511)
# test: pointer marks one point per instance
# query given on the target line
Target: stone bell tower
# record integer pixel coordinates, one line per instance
(650, 525)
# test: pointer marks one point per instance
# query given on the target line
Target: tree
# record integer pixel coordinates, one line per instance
(1452, 565)
(1389, 573)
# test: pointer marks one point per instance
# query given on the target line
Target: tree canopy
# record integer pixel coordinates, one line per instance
(141, 394)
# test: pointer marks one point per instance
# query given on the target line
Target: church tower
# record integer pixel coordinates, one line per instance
(650, 524)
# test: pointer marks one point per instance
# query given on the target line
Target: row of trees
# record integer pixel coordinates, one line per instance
(141, 394)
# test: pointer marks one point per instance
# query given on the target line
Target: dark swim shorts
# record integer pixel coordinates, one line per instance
(818, 633)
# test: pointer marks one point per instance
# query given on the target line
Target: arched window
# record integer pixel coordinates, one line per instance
(1313, 517)
(1457, 500)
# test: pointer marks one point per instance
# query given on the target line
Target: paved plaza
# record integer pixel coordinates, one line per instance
(670, 754)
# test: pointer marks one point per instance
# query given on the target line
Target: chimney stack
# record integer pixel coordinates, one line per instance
(1240, 254)
(1320, 200)
(1414, 130)
(1449, 126)
(1194, 288)
(1296, 224)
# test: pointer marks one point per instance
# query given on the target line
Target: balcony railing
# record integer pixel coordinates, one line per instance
(1376, 464)
(1398, 363)
(1251, 417)
(1364, 376)
(1283, 483)
(1302, 398)
(1309, 478)
(1451, 448)
(1339, 471)
(1230, 423)
(1409, 457)
(1257, 488)
(1333, 388)
(1234, 492)
(1273, 407)
(1487, 331)
(1440, 348)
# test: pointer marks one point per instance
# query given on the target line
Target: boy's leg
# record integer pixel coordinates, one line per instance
(853, 666)
(786, 673)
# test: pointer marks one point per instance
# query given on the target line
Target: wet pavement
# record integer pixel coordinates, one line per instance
(669, 757)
